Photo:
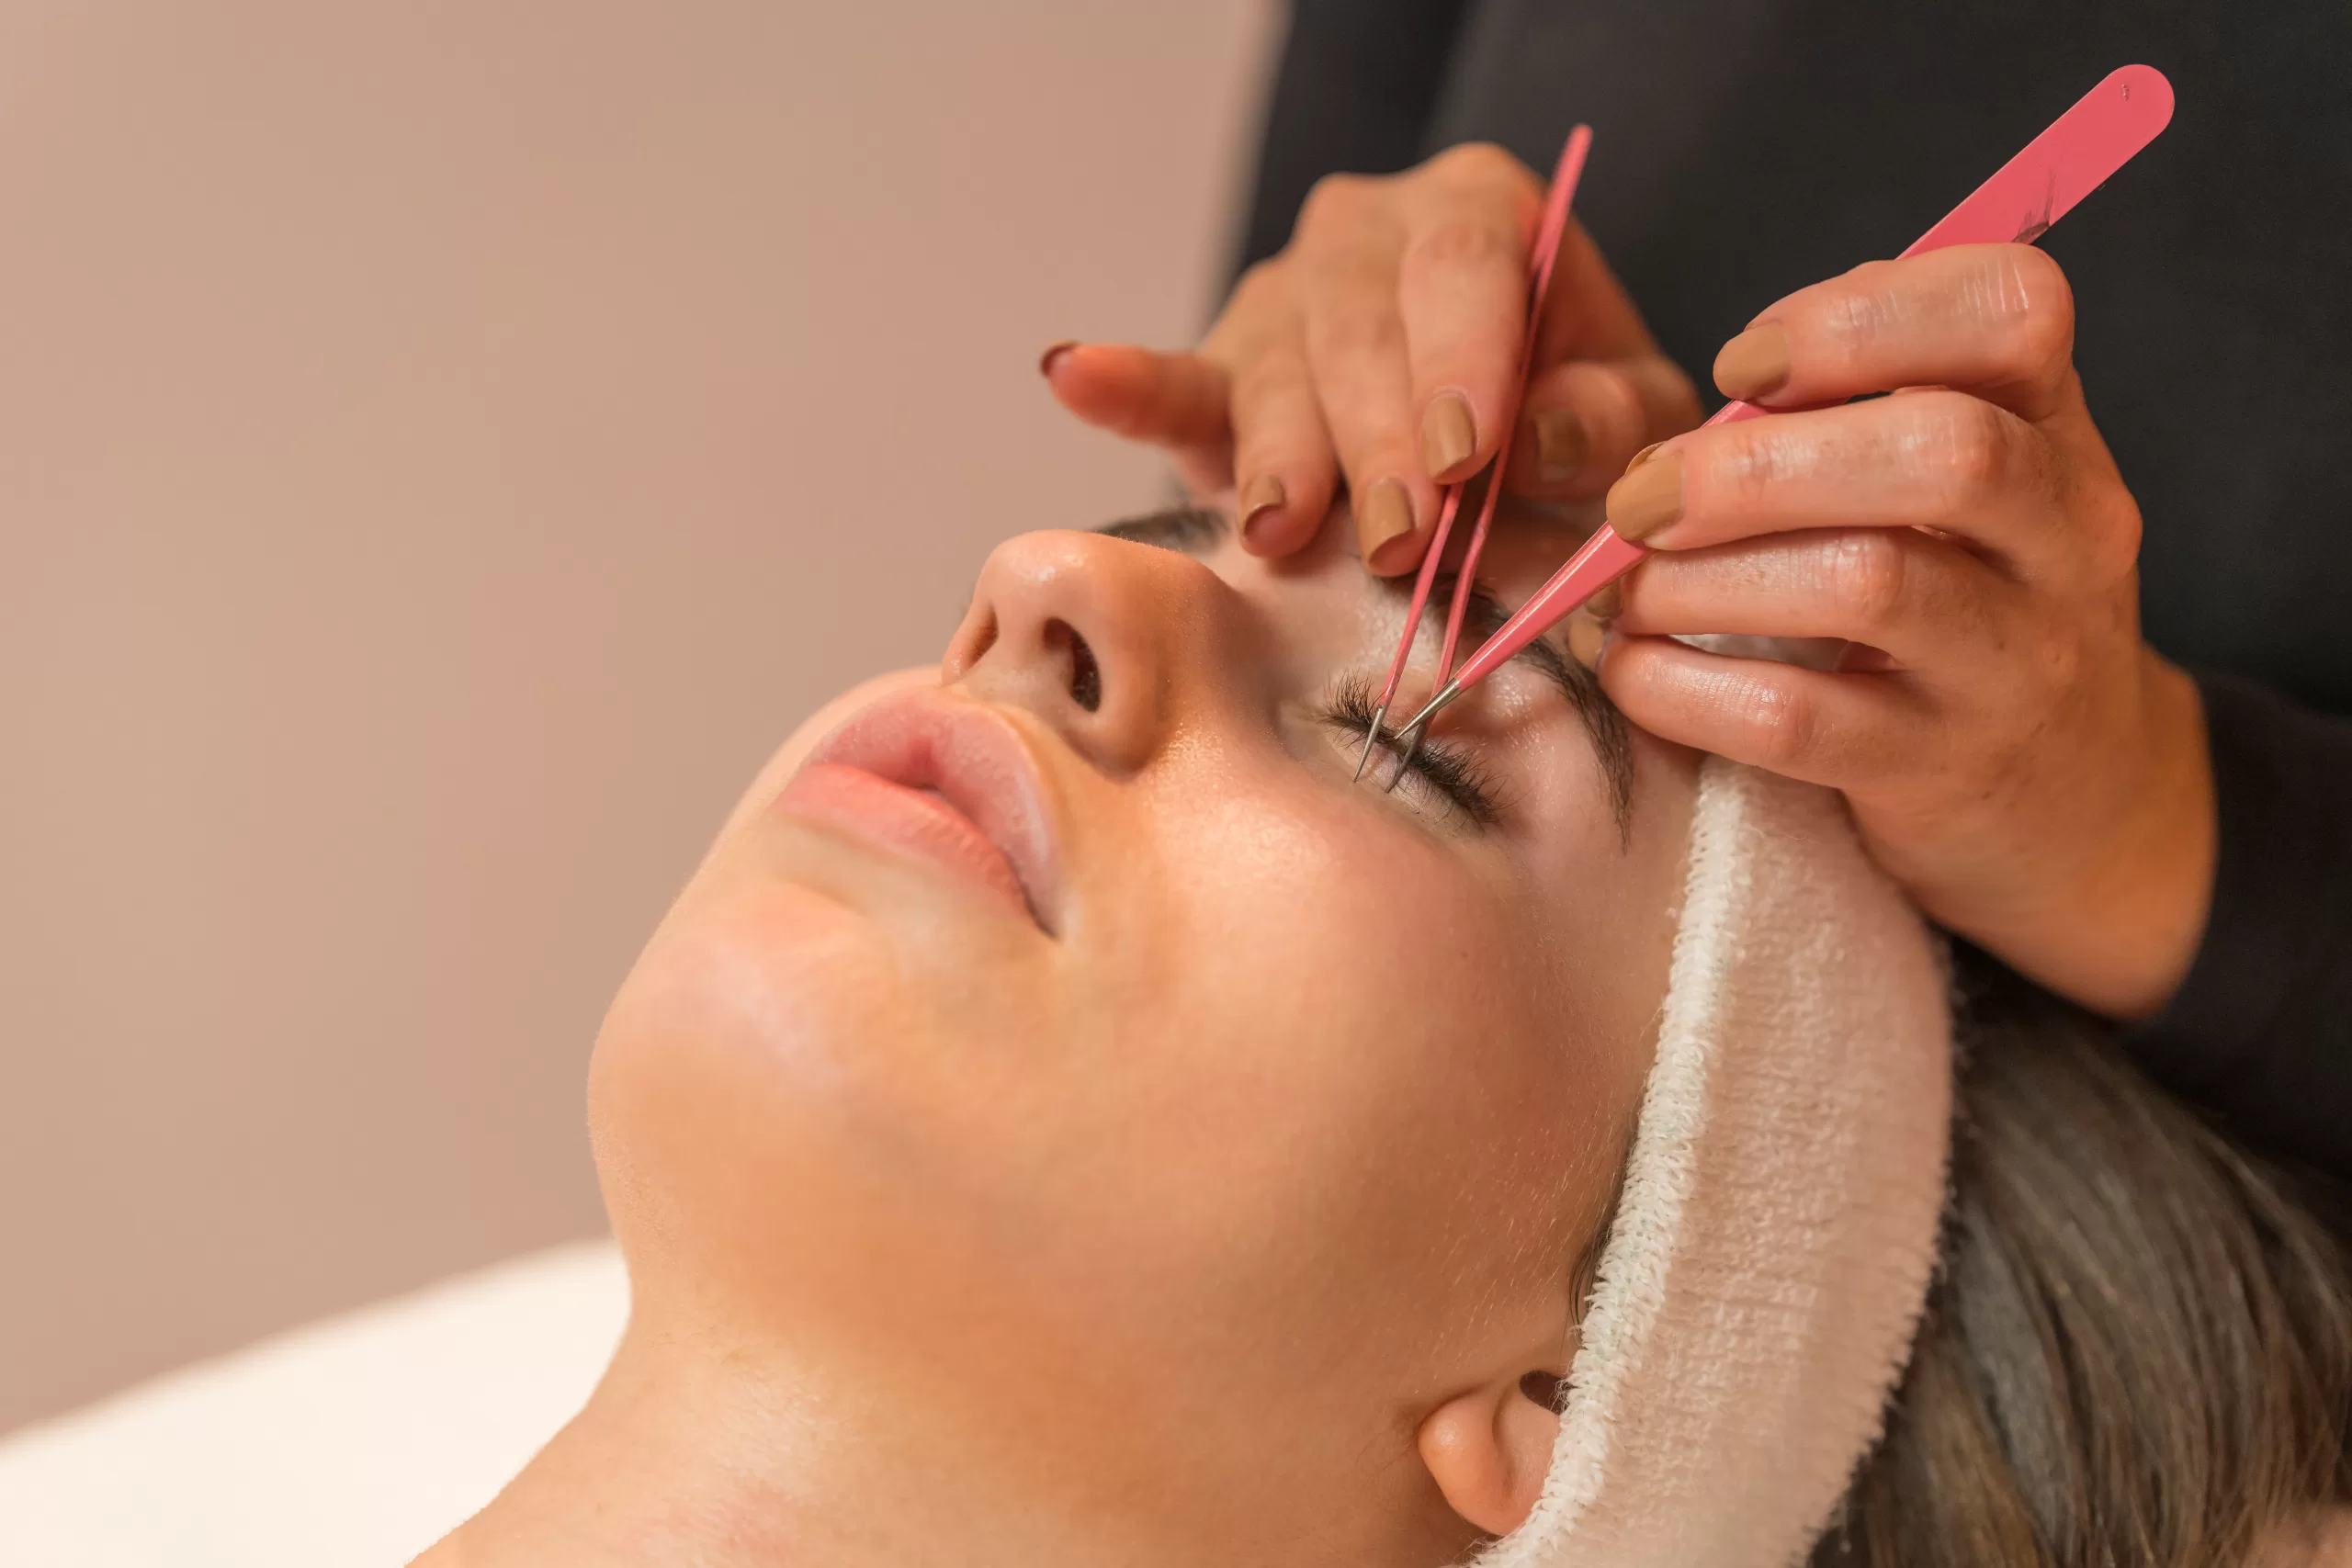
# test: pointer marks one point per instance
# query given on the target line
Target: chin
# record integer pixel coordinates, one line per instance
(778, 996)
(790, 1047)
(739, 1098)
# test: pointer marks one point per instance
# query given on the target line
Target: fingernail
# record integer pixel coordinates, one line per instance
(1562, 445)
(1586, 636)
(1053, 356)
(1754, 363)
(1649, 498)
(1448, 435)
(1385, 518)
(1605, 606)
(1258, 497)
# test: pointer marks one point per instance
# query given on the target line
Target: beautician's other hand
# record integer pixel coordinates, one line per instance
(1383, 344)
(2013, 752)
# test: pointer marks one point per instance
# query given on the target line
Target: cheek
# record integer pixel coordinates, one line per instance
(1602, 899)
(1344, 1080)
(1291, 918)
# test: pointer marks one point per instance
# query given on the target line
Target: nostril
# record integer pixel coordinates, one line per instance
(1085, 674)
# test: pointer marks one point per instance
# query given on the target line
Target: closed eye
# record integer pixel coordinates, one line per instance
(1447, 771)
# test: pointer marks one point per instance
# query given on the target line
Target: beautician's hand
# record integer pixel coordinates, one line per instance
(1383, 344)
(2014, 753)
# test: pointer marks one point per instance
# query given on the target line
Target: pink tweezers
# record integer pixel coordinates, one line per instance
(2082, 148)
(1548, 226)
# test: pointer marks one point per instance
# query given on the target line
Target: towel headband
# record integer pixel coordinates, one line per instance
(1758, 1296)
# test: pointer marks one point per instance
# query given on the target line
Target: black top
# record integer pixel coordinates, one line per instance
(1746, 148)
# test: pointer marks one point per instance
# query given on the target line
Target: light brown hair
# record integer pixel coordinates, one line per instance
(2138, 1347)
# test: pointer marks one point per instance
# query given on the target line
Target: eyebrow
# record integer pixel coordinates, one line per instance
(1613, 740)
(1193, 530)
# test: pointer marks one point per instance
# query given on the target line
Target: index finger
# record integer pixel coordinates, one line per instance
(1994, 321)
(1935, 460)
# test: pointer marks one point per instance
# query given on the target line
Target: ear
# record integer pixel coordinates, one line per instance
(1488, 1449)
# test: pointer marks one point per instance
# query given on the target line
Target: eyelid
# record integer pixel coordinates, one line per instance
(1432, 760)
(1427, 763)
(1443, 770)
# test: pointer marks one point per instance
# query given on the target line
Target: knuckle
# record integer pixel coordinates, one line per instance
(1975, 447)
(1783, 728)
(1461, 240)
(2112, 551)
(1869, 581)
(1854, 310)
(1482, 164)
(1259, 286)
(1335, 201)
(1751, 460)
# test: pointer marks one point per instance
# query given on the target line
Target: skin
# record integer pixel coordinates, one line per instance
(1330, 360)
(1223, 1224)
(2016, 755)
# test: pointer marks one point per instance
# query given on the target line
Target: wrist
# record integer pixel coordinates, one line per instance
(2139, 907)
(2100, 892)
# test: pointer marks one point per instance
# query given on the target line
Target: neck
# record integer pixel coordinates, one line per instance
(709, 1454)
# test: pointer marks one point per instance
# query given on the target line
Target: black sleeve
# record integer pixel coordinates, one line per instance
(1353, 92)
(2261, 1031)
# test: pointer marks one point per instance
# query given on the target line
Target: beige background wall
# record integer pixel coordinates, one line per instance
(443, 446)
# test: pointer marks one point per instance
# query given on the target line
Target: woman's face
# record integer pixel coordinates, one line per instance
(1076, 1047)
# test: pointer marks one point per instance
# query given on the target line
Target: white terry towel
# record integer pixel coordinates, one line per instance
(1763, 1278)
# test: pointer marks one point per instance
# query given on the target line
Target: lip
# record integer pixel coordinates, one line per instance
(944, 780)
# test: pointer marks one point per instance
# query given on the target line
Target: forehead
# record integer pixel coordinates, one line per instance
(1525, 545)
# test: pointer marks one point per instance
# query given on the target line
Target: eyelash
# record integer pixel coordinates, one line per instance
(1452, 773)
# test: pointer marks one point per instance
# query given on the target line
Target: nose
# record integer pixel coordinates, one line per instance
(1104, 640)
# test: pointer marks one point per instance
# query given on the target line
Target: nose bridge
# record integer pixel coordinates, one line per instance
(1099, 638)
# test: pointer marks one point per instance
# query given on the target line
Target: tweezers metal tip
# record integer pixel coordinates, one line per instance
(1412, 736)
(1413, 729)
(1370, 739)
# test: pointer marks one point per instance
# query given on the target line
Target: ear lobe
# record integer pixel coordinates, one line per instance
(1488, 1450)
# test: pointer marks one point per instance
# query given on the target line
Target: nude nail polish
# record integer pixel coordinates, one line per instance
(1607, 604)
(1562, 443)
(1384, 517)
(1649, 498)
(1260, 497)
(1755, 364)
(1448, 436)
(1053, 356)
